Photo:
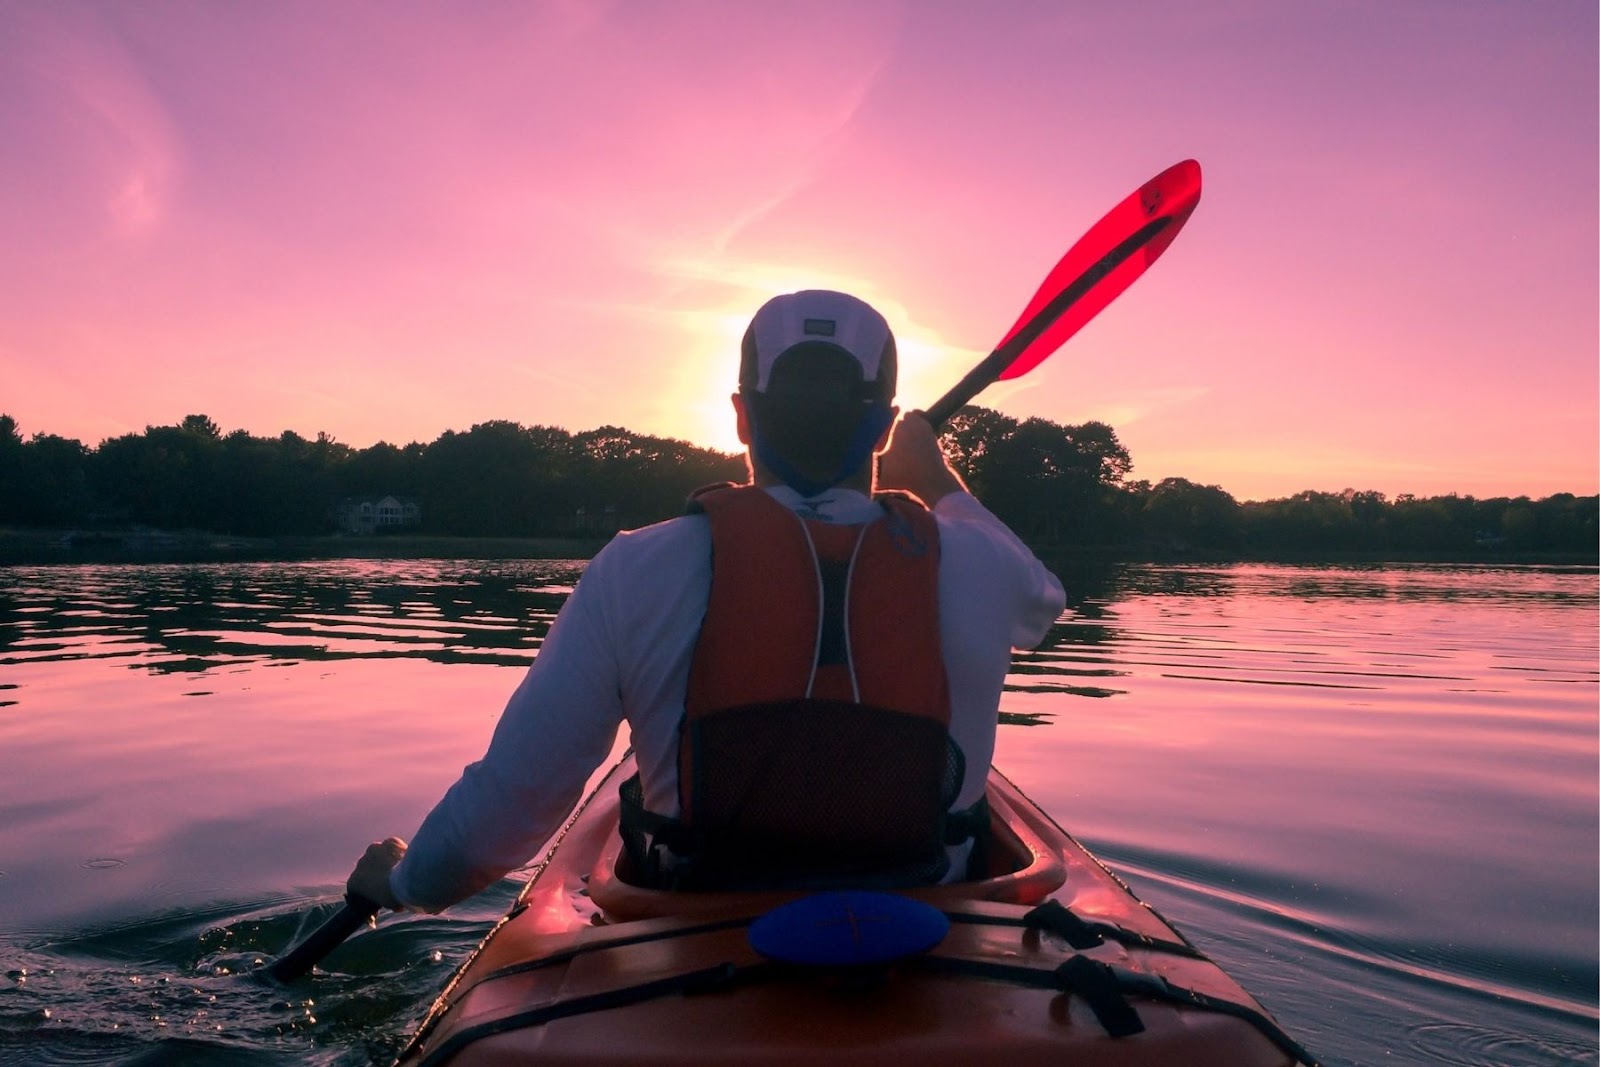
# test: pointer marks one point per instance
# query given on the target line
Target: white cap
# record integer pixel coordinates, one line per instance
(815, 317)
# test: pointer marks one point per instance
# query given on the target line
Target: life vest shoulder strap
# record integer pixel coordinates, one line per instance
(694, 506)
(800, 607)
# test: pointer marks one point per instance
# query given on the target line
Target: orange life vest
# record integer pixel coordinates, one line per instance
(815, 744)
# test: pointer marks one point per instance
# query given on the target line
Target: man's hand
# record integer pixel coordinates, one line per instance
(914, 463)
(370, 879)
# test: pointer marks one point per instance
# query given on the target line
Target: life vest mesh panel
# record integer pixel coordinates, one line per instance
(818, 789)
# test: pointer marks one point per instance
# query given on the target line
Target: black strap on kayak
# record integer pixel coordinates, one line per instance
(1079, 932)
(1059, 919)
(1090, 979)
(1158, 988)
(1095, 983)
(645, 833)
(967, 824)
(567, 955)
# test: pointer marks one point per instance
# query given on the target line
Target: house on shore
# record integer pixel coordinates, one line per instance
(590, 521)
(377, 514)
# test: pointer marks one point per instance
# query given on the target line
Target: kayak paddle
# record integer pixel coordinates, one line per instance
(1094, 272)
(324, 939)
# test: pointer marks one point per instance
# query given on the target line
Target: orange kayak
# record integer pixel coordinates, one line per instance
(1048, 959)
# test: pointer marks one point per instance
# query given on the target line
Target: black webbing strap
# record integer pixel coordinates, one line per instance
(655, 829)
(967, 824)
(1097, 984)
(603, 945)
(1059, 919)
(1081, 933)
(1158, 988)
(1089, 981)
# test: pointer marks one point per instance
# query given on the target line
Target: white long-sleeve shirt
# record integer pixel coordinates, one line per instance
(619, 650)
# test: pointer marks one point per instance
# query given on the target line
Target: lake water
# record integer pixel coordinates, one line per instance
(1369, 793)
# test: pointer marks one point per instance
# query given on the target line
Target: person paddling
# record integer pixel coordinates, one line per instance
(811, 675)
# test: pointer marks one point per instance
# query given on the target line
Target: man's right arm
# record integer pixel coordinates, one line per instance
(1012, 574)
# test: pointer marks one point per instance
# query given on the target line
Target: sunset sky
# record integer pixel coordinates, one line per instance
(387, 220)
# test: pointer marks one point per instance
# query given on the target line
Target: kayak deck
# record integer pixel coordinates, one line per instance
(1049, 959)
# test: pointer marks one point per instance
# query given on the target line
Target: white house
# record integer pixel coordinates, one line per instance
(370, 514)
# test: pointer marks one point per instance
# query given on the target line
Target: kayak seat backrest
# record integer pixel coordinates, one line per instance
(803, 799)
(1022, 865)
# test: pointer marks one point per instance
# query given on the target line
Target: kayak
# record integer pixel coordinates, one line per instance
(1048, 958)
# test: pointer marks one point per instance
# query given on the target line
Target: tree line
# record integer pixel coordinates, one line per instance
(1056, 485)
(1070, 485)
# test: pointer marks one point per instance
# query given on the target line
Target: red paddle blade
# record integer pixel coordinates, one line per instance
(1103, 263)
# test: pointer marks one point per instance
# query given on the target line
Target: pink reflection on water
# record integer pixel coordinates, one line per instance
(1381, 753)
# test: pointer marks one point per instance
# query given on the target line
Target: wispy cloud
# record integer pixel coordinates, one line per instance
(109, 115)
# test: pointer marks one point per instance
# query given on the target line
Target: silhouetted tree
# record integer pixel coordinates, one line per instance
(969, 438)
(1049, 481)
(1179, 513)
(12, 477)
(638, 479)
(499, 479)
(43, 482)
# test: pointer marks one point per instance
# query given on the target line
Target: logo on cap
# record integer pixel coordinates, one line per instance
(820, 327)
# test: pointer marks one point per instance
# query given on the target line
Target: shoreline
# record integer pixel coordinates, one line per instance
(1084, 555)
(44, 547)
(142, 545)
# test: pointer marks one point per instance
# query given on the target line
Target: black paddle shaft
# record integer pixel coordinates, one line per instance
(986, 373)
(324, 939)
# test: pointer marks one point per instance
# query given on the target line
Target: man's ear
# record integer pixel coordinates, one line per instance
(741, 418)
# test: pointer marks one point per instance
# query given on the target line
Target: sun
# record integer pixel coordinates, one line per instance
(704, 378)
(717, 427)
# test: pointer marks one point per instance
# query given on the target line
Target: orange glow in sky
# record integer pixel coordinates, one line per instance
(387, 221)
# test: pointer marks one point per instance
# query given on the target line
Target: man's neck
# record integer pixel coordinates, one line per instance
(860, 482)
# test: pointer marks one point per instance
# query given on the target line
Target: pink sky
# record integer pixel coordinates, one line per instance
(384, 221)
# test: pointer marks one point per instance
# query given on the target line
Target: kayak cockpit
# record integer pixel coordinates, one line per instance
(1020, 867)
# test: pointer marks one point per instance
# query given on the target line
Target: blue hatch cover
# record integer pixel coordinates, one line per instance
(848, 928)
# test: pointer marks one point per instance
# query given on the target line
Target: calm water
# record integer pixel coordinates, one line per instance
(1369, 793)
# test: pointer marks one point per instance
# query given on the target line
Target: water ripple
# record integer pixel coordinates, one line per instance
(1473, 1045)
(1260, 897)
